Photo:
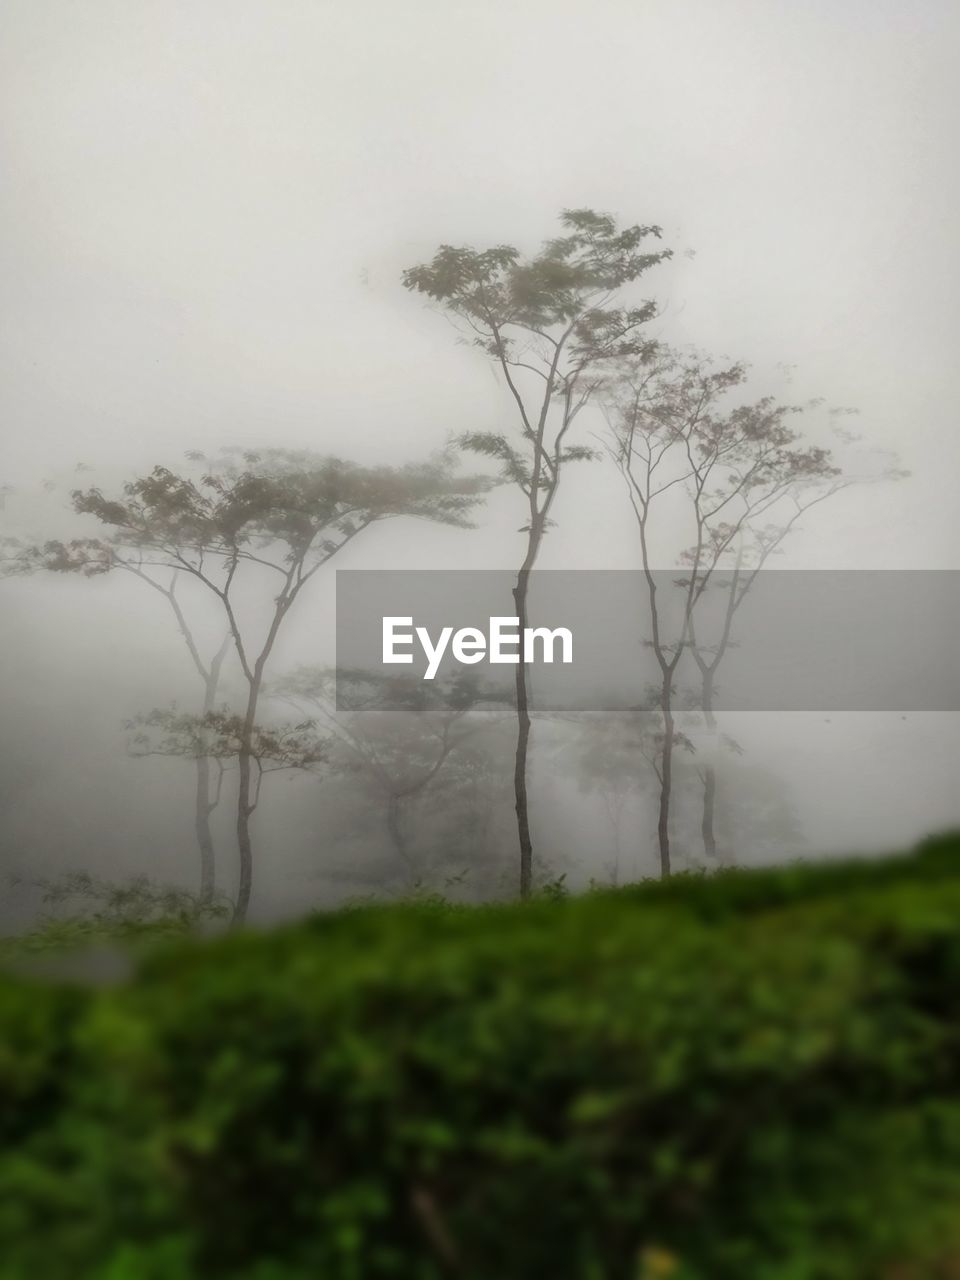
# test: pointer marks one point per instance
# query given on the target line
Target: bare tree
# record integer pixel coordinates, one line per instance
(743, 475)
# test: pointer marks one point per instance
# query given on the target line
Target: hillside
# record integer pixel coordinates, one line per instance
(750, 1075)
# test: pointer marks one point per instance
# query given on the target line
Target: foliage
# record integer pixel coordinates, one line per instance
(287, 512)
(301, 505)
(747, 476)
(552, 316)
(552, 326)
(84, 910)
(752, 1074)
(165, 731)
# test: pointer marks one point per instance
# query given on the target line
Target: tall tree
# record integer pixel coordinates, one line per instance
(774, 478)
(551, 325)
(206, 794)
(743, 475)
(92, 558)
(260, 526)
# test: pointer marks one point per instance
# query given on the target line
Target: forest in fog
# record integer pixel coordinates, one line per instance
(591, 352)
(351, 781)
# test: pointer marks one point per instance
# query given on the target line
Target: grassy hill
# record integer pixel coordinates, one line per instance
(753, 1075)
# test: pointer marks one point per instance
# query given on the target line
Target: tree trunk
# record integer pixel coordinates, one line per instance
(523, 742)
(204, 805)
(666, 779)
(707, 824)
(396, 833)
(709, 806)
(246, 797)
(246, 805)
(203, 809)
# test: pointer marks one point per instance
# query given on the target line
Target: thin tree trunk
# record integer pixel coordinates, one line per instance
(204, 805)
(395, 831)
(666, 779)
(246, 798)
(246, 805)
(535, 531)
(709, 809)
(707, 824)
(201, 823)
(523, 742)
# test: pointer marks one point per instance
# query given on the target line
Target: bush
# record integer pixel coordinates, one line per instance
(753, 1075)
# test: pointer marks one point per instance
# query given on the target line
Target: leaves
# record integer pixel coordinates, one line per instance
(489, 444)
(87, 556)
(752, 1074)
(220, 734)
(287, 501)
(84, 910)
(497, 287)
(550, 317)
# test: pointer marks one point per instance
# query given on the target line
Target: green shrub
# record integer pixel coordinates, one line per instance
(755, 1075)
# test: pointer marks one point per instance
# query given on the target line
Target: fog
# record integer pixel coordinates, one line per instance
(208, 209)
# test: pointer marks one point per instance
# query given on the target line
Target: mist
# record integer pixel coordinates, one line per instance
(208, 212)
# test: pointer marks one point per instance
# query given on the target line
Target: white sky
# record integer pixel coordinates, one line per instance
(207, 205)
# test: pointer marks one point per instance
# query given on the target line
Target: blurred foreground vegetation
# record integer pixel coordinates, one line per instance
(750, 1075)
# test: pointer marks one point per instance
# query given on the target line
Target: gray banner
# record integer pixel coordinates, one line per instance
(796, 641)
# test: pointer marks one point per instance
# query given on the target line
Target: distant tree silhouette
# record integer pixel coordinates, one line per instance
(266, 521)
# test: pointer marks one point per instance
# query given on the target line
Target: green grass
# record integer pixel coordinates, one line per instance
(751, 1075)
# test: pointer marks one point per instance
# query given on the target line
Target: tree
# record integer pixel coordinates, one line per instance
(264, 522)
(92, 558)
(399, 733)
(551, 326)
(602, 757)
(218, 736)
(206, 797)
(746, 476)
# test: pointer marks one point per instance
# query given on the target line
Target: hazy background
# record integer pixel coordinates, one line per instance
(206, 209)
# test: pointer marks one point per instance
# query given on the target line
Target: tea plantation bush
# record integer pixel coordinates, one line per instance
(753, 1076)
